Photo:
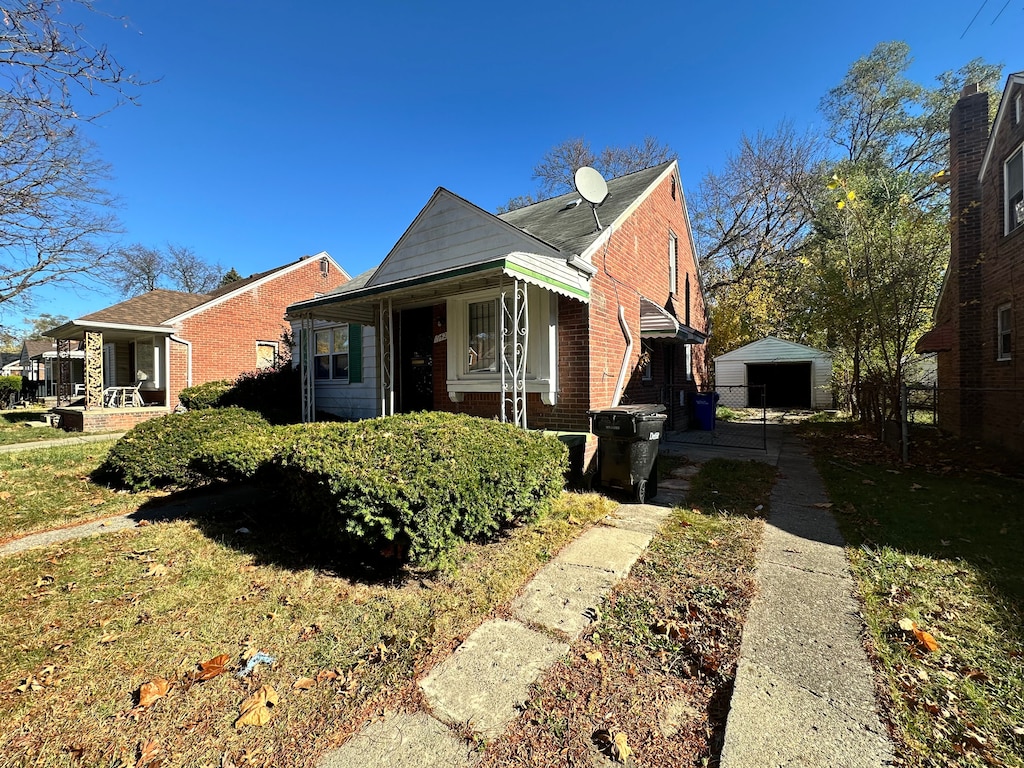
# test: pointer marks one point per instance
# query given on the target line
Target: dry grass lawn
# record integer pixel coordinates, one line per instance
(88, 625)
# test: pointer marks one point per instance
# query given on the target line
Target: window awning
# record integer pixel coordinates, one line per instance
(659, 323)
(938, 339)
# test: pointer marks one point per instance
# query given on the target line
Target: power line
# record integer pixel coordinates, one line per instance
(983, 2)
(1000, 12)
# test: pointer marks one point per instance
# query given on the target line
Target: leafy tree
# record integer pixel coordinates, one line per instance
(556, 169)
(56, 225)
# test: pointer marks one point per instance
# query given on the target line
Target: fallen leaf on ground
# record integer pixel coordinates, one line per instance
(824, 505)
(255, 710)
(925, 640)
(907, 625)
(155, 689)
(210, 669)
(620, 749)
(156, 570)
(303, 683)
(594, 657)
(148, 752)
(108, 637)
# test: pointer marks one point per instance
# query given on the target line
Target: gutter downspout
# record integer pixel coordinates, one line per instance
(625, 357)
(188, 366)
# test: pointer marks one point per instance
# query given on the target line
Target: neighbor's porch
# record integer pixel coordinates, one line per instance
(125, 376)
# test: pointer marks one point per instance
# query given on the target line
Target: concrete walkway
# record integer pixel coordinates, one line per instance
(479, 688)
(78, 440)
(804, 691)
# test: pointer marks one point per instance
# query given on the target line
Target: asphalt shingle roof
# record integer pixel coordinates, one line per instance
(152, 308)
(569, 229)
(572, 229)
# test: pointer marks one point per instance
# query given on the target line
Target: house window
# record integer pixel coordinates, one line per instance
(475, 344)
(266, 354)
(330, 353)
(646, 361)
(673, 260)
(689, 362)
(482, 349)
(1004, 321)
(1014, 176)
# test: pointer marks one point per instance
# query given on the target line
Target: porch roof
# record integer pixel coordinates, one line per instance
(659, 323)
(75, 329)
(356, 301)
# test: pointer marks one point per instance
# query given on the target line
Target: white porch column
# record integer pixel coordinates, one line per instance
(386, 350)
(513, 330)
(306, 349)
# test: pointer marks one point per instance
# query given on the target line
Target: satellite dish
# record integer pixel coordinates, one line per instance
(591, 185)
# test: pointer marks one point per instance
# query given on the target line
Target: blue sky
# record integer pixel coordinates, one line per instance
(276, 129)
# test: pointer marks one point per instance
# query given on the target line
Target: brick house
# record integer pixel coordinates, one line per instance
(562, 283)
(139, 354)
(979, 315)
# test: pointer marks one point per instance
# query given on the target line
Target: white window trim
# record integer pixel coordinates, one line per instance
(689, 361)
(541, 347)
(1008, 211)
(277, 351)
(330, 354)
(1002, 331)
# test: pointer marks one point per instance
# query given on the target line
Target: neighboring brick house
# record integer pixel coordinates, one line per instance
(979, 316)
(432, 317)
(141, 353)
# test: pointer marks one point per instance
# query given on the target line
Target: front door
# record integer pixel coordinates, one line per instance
(415, 351)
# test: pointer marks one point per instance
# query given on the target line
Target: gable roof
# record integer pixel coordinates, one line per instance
(567, 222)
(151, 308)
(539, 243)
(777, 343)
(158, 309)
(1004, 106)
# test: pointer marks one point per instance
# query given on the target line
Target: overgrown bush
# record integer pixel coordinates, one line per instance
(186, 450)
(203, 396)
(273, 392)
(425, 481)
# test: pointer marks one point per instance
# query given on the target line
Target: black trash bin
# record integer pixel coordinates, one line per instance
(627, 447)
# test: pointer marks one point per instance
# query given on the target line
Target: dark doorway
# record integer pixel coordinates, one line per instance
(416, 368)
(786, 385)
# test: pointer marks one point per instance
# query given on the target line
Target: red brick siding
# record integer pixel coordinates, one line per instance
(982, 397)
(635, 262)
(224, 335)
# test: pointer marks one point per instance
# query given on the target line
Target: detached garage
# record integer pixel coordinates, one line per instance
(790, 375)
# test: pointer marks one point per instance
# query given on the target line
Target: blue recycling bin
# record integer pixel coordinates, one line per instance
(704, 405)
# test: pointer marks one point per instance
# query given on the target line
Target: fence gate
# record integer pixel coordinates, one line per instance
(743, 424)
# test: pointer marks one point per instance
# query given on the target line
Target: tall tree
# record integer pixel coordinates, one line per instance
(56, 225)
(190, 273)
(231, 276)
(177, 267)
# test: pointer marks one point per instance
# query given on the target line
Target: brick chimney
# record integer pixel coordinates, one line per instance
(968, 138)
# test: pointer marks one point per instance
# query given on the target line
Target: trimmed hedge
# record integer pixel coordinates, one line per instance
(425, 481)
(203, 396)
(186, 450)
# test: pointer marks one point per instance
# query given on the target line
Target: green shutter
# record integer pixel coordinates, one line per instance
(355, 354)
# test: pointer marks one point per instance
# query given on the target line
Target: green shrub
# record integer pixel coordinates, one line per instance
(186, 450)
(10, 390)
(206, 395)
(426, 481)
(273, 392)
